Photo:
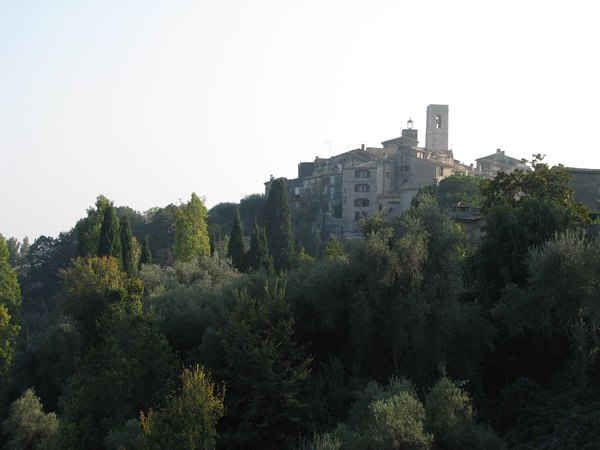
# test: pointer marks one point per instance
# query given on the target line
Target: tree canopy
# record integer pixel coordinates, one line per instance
(191, 233)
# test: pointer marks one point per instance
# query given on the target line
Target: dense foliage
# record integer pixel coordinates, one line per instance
(416, 336)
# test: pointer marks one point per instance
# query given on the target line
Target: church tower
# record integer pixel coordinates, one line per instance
(436, 134)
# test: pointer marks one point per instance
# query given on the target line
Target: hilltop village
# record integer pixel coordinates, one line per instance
(341, 190)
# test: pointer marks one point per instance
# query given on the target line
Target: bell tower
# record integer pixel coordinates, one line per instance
(436, 134)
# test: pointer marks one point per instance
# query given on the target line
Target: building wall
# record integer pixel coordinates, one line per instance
(492, 165)
(359, 193)
(586, 184)
(413, 171)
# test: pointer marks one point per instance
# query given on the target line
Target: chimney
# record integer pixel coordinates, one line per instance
(362, 146)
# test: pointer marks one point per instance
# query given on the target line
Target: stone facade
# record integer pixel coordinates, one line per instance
(586, 184)
(491, 165)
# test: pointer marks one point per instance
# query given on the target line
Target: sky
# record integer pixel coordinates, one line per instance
(148, 101)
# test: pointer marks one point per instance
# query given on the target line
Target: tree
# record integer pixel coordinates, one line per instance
(146, 254)
(524, 209)
(10, 310)
(191, 235)
(456, 188)
(258, 257)
(48, 360)
(27, 424)
(265, 370)
(451, 419)
(18, 255)
(334, 249)
(235, 250)
(189, 419)
(110, 239)
(560, 303)
(93, 285)
(8, 336)
(127, 247)
(87, 230)
(10, 291)
(220, 217)
(386, 417)
(251, 209)
(542, 182)
(161, 226)
(510, 232)
(277, 219)
(45, 257)
(129, 370)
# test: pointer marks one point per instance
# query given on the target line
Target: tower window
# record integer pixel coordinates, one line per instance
(361, 202)
(438, 121)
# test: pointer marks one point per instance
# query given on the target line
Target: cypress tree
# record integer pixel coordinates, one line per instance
(277, 220)
(110, 240)
(258, 257)
(127, 246)
(235, 249)
(146, 255)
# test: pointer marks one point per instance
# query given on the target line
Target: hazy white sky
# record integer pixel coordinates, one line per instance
(148, 101)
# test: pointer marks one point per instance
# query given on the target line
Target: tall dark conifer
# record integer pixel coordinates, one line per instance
(277, 219)
(127, 246)
(110, 240)
(146, 254)
(258, 257)
(235, 248)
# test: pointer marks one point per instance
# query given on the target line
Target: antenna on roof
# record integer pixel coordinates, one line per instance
(329, 142)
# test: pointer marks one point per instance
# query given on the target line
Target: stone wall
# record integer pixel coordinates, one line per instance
(586, 184)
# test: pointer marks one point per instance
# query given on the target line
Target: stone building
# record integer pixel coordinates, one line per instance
(335, 193)
(491, 165)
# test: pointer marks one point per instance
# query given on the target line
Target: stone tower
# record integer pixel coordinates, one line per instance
(436, 135)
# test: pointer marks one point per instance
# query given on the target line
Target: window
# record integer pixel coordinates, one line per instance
(362, 188)
(438, 121)
(393, 207)
(362, 174)
(361, 202)
(359, 215)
